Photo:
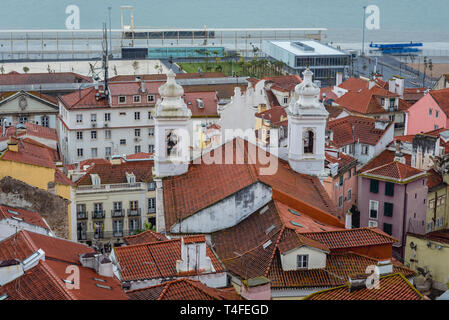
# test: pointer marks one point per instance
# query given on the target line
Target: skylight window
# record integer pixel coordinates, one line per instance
(294, 212)
(269, 229)
(13, 212)
(296, 224)
(102, 280)
(102, 286)
(317, 222)
(263, 210)
(17, 218)
(267, 244)
(4, 297)
(67, 281)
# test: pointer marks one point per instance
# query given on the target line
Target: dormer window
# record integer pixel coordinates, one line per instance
(121, 99)
(302, 261)
(130, 177)
(95, 178)
(136, 99)
(150, 98)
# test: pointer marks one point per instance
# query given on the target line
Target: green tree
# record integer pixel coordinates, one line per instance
(26, 69)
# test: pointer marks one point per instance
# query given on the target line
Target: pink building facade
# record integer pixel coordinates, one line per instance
(428, 113)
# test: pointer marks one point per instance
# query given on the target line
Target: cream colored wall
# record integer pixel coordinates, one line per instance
(108, 199)
(33, 106)
(65, 191)
(441, 210)
(436, 260)
(317, 259)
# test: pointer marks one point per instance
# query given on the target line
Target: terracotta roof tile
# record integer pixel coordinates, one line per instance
(274, 114)
(392, 287)
(186, 194)
(154, 260)
(27, 216)
(441, 97)
(366, 101)
(15, 78)
(383, 158)
(147, 236)
(287, 82)
(83, 99)
(30, 153)
(61, 178)
(163, 77)
(183, 289)
(395, 170)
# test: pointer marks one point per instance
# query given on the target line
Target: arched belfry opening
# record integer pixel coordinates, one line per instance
(308, 140)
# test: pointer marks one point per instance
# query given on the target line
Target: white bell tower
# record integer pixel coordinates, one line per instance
(306, 128)
(172, 138)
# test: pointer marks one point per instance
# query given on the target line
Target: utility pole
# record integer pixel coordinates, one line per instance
(110, 30)
(363, 33)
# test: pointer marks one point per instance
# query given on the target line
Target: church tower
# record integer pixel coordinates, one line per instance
(171, 133)
(306, 128)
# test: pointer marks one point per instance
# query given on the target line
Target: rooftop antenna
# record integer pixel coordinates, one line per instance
(363, 36)
(105, 59)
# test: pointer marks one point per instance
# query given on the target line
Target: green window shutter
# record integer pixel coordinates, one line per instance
(374, 186)
(388, 209)
(389, 189)
(388, 228)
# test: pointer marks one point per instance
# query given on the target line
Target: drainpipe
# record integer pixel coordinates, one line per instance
(404, 222)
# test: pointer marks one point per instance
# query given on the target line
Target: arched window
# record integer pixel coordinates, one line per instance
(308, 141)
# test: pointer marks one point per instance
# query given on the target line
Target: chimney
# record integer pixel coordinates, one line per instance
(13, 145)
(371, 83)
(99, 262)
(142, 86)
(356, 283)
(399, 156)
(10, 270)
(256, 289)
(338, 78)
(392, 85)
(399, 86)
(385, 267)
(348, 220)
(3, 127)
(193, 255)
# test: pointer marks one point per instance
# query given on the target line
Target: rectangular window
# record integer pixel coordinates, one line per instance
(122, 141)
(285, 100)
(349, 174)
(45, 121)
(388, 228)
(136, 115)
(93, 117)
(150, 115)
(302, 261)
(79, 152)
(121, 99)
(389, 189)
(430, 226)
(107, 117)
(374, 186)
(340, 201)
(151, 131)
(349, 194)
(107, 134)
(79, 118)
(435, 127)
(388, 209)
(151, 186)
(79, 135)
(107, 151)
(150, 98)
(136, 99)
(151, 148)
(93, 135)
(341, 181)
(373, 208)
(133, 205)
(436, 113)
(94, 152)
(372, 223)
(151, 205)
(432, 204)
(137, 132)
(133, 225)
(430, 111)
(364, 149)
(136, 149)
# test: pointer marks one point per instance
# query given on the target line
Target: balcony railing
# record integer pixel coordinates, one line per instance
(98, 214)
(134, 212)
(117, 213)
(151, 210)
(81, 215)
(106, 235)
(108, 187)
(399, 125)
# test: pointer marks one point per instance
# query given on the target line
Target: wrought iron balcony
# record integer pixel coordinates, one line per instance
(116, 213)
(81, 215)
(134, 212)
(98, 214)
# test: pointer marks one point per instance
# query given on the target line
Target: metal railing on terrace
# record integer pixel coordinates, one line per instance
(110, 187)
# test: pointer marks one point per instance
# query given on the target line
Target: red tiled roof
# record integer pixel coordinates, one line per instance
(61, 178)
(354, 84)
(343, 160)
(351, 129)
(383, 158)
(286, 83)
(48, 99)
(27, 216)
(205, 184)
(210, 102)
(351, 238)
(139, 155)
(147, 236)
(83, 99)
(441, 97)
(116, 173)
(274, 114)
(329, 94)
(163, 77)
(392, 287)
(334, 111)
(441, 236)
(154, 260)
(366, 101)
(183, 289)
(15, 78)
(30, 153)
(434, 179)
(395, 170)
(45, 281)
